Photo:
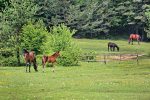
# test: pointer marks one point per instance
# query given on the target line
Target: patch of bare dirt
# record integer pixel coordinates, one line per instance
(124, 56)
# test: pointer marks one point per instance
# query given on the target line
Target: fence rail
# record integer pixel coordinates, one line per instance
(110, 57)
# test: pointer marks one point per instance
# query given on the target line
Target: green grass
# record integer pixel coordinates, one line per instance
(89, 81)
(100, 46)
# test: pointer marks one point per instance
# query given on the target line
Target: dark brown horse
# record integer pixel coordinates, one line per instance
(30, 58)
(134, 37)
(112, 46)
(50, 59)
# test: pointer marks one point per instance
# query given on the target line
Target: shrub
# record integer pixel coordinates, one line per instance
(70, 56)
(9, 61)
(89, 56)
(33, 35)
(60, 39)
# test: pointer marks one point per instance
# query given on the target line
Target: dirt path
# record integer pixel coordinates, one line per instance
(124, 56)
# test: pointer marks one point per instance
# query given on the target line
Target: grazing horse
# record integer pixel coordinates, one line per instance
(30, 58)
(50, 59)
(134, 37)
(112, 46)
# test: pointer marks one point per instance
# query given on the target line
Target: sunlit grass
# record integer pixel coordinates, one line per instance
(100, 46)
(88, 81)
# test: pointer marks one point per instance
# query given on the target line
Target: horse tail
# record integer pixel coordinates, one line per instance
(35, 64)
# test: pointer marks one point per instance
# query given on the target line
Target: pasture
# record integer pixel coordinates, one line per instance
(87, 81)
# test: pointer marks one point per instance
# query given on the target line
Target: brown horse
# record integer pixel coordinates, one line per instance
(134, 37)
(50, 59)
(30, 58)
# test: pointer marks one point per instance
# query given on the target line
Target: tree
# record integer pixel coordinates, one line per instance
(12, 19)
(60, 39)
(147, 28)
(3, 3)
(33, 35)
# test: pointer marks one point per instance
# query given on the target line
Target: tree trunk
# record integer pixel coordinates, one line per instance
(137, 29)
(18, 56)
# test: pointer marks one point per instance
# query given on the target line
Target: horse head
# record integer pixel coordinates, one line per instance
(25, 51)
(117, 48)
(57, 53)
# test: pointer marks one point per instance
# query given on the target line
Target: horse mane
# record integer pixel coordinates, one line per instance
(55, 53)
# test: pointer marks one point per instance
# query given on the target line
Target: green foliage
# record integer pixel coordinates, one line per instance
(9, 61)
(13, 17)
(33, 35)
(88, 81)
(92, 19)
(89, 56)
(3, 3)
(60, 39)
(70, 56)
(147, 29)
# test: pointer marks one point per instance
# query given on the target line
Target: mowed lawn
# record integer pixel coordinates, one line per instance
(88, 81)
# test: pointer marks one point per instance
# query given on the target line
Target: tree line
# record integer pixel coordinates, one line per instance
(90, 18)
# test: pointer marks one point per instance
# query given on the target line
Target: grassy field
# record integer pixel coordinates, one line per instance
(88, 81)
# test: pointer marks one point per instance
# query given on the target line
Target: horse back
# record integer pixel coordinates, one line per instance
(134, 36)
(137, 36)
(51, 59)
(31, 55)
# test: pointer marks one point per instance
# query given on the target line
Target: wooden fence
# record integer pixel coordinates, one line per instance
(105, 58)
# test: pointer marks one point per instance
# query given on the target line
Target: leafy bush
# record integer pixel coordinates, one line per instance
(9, 61)
(33, 35)
(70, 56)
(60, 39)
(89, 56)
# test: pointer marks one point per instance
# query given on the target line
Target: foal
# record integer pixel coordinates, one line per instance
(30, 58)
(50, 59)
(112, 46)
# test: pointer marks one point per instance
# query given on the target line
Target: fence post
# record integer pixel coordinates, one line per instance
(88, 58)
(104, 58)
(120, 59)
(137, 59)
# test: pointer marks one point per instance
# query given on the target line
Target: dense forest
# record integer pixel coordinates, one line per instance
(103, 19)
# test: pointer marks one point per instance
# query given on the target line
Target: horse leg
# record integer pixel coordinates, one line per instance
(138, 41)
(35, 65)
(43, 66)
(110, 48)
(132, 41)
(26, 66)
(29, 67)
(53, 67)
(113, 48)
